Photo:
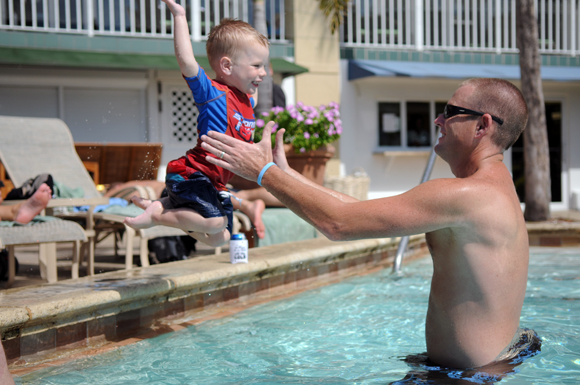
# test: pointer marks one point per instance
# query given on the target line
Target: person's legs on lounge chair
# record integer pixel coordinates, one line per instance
(25, 211)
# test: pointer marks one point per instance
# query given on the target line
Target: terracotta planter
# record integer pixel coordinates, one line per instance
(311, 164)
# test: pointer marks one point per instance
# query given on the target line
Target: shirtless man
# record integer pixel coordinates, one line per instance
(474, 225)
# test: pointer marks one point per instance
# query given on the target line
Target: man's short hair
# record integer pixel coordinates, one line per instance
(500, 98)
(229, 37)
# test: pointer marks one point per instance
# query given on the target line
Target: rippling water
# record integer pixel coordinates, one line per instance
(354, 332)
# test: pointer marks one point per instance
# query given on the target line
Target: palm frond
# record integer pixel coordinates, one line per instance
(335, 9)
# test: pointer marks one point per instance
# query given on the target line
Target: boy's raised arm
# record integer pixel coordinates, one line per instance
(181, 40)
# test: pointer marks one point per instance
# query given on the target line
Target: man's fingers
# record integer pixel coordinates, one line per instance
(268, 129)
(280, 137)
(215, 146)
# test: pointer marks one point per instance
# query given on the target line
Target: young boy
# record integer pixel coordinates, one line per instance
(198, 201)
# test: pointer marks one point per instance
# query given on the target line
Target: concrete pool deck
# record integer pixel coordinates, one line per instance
(46, 324)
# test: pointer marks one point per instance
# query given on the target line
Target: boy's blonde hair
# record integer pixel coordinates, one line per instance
(228, 38)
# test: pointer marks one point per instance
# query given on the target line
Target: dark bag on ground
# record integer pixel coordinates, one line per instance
(169, 249)
(30, 186)
(4, 265)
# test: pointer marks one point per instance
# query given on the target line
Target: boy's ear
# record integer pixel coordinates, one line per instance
(226, 65)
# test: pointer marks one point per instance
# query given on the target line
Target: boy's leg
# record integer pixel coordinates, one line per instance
(213, 240)
(159, 213)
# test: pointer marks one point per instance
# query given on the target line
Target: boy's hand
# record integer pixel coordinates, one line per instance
(176, 9)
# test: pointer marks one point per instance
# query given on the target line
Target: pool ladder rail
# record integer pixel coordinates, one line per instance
(404, 242)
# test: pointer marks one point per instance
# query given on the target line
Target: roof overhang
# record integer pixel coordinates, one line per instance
(114, 60)
(358, 69)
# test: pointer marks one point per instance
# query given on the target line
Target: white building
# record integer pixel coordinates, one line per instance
(106, 67)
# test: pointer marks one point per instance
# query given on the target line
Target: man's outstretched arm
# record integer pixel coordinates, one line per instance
(427, 207)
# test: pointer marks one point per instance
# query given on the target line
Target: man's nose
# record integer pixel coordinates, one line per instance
(439, 120)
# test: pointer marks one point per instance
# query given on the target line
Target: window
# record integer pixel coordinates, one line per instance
(408, 124)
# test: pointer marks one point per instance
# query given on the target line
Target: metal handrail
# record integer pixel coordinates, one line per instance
(405, 240)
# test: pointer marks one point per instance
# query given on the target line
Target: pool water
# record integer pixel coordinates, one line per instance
(354, 332)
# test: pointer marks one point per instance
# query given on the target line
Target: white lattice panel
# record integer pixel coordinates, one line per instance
(183, 116)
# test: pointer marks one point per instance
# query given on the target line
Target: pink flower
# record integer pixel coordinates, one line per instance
(300, 118)
(316, 135)
(302, 149)
(308, 121)
(260, 123)
(265, 113)
(306, 135)
(275, 127)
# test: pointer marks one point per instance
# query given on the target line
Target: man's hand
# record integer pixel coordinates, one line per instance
(278, 152)
(241, 158)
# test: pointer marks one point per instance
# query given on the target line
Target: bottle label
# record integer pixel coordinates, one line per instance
(239, 251)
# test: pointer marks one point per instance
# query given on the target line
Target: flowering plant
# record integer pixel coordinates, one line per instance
(307, 127)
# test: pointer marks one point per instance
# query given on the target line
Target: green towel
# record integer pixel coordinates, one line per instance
(35, 220)
(127, 211)
(63, 191)
(282, 226)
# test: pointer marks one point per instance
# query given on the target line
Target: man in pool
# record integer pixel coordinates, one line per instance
(474, 225)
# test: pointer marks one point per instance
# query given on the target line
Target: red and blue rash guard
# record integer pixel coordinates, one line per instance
(223, 109)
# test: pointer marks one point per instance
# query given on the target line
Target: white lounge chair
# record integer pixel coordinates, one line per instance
(32, 146)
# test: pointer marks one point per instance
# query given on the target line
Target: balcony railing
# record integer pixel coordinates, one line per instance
(458, 25)
(141, 18)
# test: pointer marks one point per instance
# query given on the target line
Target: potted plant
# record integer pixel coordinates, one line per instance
(308, 137)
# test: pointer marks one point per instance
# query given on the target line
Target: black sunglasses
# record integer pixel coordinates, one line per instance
(451, 110)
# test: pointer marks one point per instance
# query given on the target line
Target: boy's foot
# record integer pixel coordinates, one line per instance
(255, 210)
(145, 220)
(141, 202)
(33, 205)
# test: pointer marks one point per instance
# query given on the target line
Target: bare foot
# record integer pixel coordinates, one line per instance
(34, 205)
(141, 202)
(145, 220)
(254, 212)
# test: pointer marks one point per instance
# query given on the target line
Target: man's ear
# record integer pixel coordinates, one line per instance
(484, 126)
(226, 65)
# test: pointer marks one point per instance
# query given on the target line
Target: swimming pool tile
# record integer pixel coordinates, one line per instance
(12, 349)
(72, 336)
(102, 329)
(276, 281)
(194, 302)
(213, 298)
(175, 307)
(39, 342)
(127, 322)
(151, 313)
(247, 288)
(231, 293)
(550, 241)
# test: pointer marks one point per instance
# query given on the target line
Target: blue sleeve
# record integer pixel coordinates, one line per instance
(211, 104)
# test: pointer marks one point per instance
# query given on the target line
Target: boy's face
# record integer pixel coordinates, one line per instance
(249, 67)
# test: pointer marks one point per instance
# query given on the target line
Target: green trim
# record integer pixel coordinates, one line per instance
(454, 57)
(286, 68)
(65, 58)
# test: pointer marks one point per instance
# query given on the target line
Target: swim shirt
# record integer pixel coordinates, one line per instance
(223, 109)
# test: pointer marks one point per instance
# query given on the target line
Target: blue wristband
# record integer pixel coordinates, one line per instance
(266, 167)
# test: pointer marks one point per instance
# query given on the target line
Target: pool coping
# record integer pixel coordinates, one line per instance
(39, 323)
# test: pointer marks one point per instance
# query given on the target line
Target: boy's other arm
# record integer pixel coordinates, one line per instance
(182, 43)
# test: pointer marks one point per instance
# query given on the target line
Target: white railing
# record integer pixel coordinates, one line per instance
(457, 25)
(142, 18)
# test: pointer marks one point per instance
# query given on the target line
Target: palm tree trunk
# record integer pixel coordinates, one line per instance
(536, 150)
(265, 88)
